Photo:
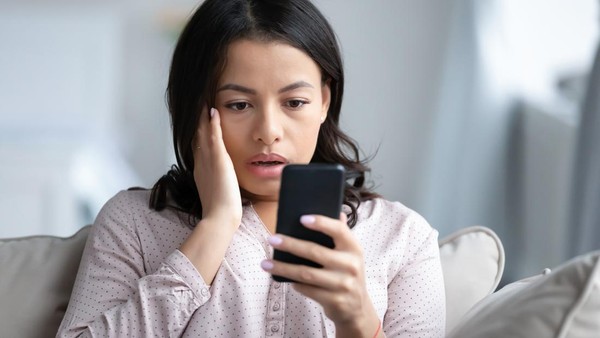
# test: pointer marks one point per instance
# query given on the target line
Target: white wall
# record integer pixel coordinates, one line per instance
(82, 91)
(393, 52)
(548, 148)
(92, 76)
(59, 95)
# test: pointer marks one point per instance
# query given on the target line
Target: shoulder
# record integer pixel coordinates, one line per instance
(393, 236)
(129, 199)
(130, 209)
(126, 204)
(392, 214)
(123, 209)
(382, 221)
(128, 225)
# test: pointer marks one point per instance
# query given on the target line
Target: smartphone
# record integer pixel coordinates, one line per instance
(307, 189)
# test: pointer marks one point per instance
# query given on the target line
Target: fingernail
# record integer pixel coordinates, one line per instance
(266, 265)
(307, 220)
(212, 112)
(275, 240)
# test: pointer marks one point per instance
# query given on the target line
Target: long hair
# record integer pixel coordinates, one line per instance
(199, 60)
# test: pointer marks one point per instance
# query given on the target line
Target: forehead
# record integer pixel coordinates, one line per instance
(249, 60)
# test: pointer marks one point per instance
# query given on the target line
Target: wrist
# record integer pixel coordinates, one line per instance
(206, 246)
(369, 326)
(220, 221)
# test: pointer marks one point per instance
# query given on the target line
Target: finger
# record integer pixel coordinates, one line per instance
(343, 218)
(210, 133)
(217, 144)
(337, 229)
(318, 277)
(204, 116)
(331, 259)
(201, 128)
(215, 124)
(320, 294)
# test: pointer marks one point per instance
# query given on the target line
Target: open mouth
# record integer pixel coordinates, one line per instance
(267, 163)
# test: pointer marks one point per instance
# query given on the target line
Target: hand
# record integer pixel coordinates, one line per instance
(214, 173)
(220, 196)
(339, 286)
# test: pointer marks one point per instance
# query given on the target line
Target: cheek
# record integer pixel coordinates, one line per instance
(314, 132)
(231, 137)
(306, 141)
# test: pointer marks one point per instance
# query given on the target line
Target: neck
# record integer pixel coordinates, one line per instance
(267, 211)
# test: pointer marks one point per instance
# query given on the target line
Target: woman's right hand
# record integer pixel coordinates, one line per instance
(220, 196)
(214, 174)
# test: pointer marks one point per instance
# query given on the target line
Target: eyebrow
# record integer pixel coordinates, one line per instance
(295, 85)
(238, 88)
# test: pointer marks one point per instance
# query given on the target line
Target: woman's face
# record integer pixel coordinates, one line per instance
(272, 103)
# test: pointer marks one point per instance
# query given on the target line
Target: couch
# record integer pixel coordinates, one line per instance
(38, 272)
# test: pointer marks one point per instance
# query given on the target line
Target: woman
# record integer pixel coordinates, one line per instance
(255, 85)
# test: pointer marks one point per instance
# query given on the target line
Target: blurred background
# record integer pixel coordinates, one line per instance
(476, 112)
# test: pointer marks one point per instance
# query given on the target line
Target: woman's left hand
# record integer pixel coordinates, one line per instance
(340, 286)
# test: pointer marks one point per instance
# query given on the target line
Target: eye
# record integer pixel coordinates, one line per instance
(239, 106)
(295, 104)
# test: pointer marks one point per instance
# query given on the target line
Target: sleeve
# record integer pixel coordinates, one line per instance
(113, 296)
(416, 295)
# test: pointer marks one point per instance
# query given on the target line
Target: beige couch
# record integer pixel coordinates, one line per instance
(37, 274)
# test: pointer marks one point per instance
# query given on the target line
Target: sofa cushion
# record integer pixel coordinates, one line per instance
(473, 263)
(563, 303)
(37, 275)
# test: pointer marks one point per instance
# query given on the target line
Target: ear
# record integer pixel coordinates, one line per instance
(326, 97)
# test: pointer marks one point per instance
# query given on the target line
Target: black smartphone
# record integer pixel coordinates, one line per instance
(316, 189)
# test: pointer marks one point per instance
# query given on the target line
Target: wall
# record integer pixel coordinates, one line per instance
(428, 84)
(91, 76)
(393, 52)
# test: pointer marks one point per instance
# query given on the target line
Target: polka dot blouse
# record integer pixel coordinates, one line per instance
(134, 282)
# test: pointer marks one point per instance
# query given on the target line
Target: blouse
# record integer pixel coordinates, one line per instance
(134, 282)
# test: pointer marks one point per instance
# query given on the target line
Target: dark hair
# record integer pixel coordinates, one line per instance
(198, 61)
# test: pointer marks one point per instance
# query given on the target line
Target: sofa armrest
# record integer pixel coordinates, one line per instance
(473, 263)
(38, 273)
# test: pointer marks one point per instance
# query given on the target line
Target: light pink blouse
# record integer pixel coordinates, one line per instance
(134, 282)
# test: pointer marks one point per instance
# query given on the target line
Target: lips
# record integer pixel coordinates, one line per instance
(267, 160)
(266, 166)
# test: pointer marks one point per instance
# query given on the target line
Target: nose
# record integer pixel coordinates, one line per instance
(269, 126)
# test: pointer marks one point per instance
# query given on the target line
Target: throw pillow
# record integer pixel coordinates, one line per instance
(473, 263)
(38, 273)
(563, 303)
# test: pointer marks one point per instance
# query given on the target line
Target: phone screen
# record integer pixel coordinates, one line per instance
(307, 189)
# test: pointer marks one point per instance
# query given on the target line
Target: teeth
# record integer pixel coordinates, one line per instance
(268, 162)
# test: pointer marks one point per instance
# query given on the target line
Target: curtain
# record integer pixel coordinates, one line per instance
(585, 210)
(501, 154)
(468, 178)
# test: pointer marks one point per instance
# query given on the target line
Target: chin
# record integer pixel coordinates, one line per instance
(262, 193)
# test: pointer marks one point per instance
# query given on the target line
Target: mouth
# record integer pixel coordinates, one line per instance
(267, 160)
(267, 163)
(267, 166)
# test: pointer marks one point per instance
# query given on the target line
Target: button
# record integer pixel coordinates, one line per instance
(204, 291)
(276, 285)
(274, 328)
(276, 306)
